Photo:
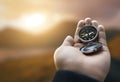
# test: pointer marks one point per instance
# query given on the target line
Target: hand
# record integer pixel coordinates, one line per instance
(69, 57)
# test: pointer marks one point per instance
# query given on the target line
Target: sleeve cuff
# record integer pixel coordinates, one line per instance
(68, 76)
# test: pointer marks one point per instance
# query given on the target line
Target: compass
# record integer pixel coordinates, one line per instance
(88, 34)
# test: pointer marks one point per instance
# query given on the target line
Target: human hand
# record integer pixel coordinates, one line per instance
(69, 57)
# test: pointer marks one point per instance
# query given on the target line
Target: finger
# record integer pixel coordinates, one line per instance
(88, 21)
(80, 24)
(68, 41)
(102, 35)
(94, 23)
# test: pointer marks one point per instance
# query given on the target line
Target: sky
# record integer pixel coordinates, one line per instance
(16, 13)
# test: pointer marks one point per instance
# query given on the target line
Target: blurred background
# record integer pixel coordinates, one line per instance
(30, 31)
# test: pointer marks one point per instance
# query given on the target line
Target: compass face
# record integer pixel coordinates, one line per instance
(88, 33)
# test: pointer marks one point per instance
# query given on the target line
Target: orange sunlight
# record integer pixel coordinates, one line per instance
(38, 23)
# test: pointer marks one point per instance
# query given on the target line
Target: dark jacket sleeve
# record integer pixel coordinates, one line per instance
(68, 76)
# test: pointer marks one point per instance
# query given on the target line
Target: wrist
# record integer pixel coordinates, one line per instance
(72, 77)
(95, 75)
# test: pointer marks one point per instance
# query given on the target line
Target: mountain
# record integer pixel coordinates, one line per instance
(15, 38)
(12, 38)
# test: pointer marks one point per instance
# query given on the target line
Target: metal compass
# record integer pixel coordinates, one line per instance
(88, 34)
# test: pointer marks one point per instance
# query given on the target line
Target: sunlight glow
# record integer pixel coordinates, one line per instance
(36, 22)
(33, 20)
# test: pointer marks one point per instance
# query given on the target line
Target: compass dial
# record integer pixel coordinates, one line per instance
(88, 33)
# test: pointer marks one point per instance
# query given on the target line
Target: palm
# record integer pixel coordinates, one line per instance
(69, 57)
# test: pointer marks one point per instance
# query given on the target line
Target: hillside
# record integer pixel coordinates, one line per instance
(11, 38)
(38, 68)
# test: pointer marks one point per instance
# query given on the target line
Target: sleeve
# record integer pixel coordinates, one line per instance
(68, 76)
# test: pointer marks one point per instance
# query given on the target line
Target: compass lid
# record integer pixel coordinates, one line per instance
(91, 47)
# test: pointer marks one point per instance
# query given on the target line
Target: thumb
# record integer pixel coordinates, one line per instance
(68, 41)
